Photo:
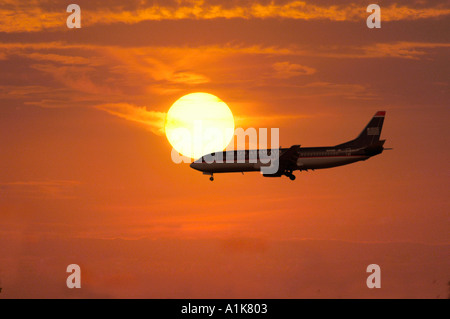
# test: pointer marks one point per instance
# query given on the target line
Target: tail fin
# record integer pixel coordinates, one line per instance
(371, 133)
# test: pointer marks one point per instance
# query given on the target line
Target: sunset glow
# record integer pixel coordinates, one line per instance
(90, 118)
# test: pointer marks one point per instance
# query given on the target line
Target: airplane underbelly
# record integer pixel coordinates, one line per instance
(327, 161)
(230, 167)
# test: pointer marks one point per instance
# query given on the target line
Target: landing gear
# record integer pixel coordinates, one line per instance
(290, 175)
(211, 178)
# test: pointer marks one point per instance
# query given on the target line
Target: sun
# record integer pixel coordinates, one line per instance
(198, 124)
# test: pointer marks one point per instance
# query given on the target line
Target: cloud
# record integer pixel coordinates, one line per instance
(152, 119)
(396, 13)
(79, 78)
(189, 78)
(286, 70)
(66, 74)
(44, 15)
(398, 49)
(120, 79)
(58, 58)
(405, 50)
(23, 90)
(30, 19)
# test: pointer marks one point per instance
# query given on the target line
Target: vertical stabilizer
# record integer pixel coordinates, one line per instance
(371, 133)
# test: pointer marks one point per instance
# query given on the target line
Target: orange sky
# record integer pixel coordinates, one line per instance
(86, 175)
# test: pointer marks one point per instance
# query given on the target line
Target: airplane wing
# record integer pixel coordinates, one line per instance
(288, 159)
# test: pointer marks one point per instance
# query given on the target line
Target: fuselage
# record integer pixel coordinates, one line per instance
(307, 158)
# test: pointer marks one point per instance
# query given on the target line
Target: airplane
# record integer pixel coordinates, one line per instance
(365, 146)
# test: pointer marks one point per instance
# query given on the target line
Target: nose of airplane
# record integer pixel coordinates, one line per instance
(197, 166)
(194, 165)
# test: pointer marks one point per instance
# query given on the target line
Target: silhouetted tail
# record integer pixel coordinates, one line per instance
(370, 135)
